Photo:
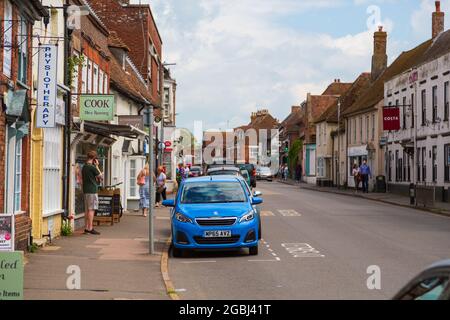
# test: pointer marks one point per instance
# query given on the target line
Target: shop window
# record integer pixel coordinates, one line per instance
(447, 163)
(390, 166)
(52, 169)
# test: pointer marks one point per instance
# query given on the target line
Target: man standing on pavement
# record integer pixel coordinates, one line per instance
(365, 173)
(91, 179)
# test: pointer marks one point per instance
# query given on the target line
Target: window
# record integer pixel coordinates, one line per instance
(373, 127)
(18, 176)
(397, 167)
(435, 164)
(404, 112)
(446, 101)
(7, 38)
(447, 163)
(367, 128)
(52, 169)
(84, 77)
(419, 164)
(95, 89)
(354, 130)
(390, 166)
(349, 130)
(89, 77)
(412, 111)
(133, 176)
(105, 84)
(424, 107)
(101, 77)
(361, 129)
(435, 114)
(320, 167)
(23, 50)
(424, 164)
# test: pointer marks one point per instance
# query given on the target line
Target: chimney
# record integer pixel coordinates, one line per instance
(253, 117)
(438, 20)
(379, 58)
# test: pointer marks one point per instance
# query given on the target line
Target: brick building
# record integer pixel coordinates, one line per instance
(17, 18)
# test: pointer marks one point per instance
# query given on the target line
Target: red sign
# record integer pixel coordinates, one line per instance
(168, 143)
(391, 119)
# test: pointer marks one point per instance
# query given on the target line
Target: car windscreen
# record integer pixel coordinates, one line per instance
(212, 192)
(265, 170)
(223, 172)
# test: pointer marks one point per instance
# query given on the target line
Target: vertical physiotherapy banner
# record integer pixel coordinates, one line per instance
(47, 86)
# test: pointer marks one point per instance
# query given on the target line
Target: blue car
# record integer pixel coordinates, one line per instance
(215, 212)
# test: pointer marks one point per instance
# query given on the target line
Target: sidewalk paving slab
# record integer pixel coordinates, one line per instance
(114, 265)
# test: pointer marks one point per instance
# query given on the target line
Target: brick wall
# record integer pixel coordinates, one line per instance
(23, 221)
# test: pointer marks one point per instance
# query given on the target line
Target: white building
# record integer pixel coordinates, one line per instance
(422, 94)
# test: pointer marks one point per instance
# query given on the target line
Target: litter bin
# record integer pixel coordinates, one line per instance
(381, 184)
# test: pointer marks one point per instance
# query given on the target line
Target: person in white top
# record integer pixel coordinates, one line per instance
(160, 186)
(356, 176)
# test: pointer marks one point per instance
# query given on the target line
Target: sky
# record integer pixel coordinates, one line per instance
(234, 57)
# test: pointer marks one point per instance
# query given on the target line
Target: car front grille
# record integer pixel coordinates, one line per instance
(230, 240)
(216, 221)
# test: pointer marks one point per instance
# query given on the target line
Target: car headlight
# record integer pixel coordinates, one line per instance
(182, 218)
(248, 217)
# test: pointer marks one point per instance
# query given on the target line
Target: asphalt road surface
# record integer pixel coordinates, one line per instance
(318, 246)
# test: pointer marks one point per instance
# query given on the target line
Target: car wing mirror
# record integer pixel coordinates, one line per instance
(169, 203)
(256, 201)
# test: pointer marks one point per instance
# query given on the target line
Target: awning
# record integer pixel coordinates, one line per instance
(106, 129)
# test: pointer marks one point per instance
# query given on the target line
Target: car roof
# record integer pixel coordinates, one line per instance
(224, 169)
(219, 178)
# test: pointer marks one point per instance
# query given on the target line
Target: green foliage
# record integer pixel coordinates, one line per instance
(74, 62)
(296, 147)
(33, 248)
(66, 228)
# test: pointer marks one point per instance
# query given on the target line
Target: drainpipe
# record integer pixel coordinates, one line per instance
(68, 99)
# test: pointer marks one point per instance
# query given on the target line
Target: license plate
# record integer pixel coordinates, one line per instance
(217, 234)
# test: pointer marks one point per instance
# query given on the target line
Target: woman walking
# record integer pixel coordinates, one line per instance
(160, 186)
(143, 180)
(355, 174)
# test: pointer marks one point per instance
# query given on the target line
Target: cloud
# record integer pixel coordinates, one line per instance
(421, 18)
(232, 58)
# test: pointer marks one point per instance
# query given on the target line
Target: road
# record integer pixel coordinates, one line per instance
(318, 246)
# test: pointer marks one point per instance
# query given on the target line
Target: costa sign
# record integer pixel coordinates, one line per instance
(391, 119)
(97, 107)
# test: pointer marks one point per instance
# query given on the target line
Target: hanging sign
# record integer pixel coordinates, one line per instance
(391, 119)
(97, 107)
(47, 86)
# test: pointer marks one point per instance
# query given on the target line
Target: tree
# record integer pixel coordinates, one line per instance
(293, 159)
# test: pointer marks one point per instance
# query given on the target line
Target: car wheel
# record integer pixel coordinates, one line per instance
(253, 250)
(177, 253)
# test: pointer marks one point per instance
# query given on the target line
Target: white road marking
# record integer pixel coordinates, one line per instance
(271, 250)
(193, 262)
(289, 213)
(267, 214)
(274, 254)
(180, 290)
(302, 250)
(278, 259)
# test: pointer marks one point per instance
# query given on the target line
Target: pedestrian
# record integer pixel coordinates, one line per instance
(91, 178)
(186, 171)
(286, 173)
(298, 173)
(365, 172)
(160, 186)
(143, 180)
(356, 176)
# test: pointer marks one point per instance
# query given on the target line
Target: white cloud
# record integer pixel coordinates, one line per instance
(232, 58)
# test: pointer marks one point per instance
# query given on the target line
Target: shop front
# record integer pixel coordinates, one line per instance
(356, 156)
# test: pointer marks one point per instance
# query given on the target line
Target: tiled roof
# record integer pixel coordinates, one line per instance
(115, 42)
(336, 89)
(375, 93)
(358, 87)
(320, 104)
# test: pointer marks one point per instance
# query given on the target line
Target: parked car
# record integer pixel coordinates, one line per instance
(234, 171)
(251, 168)
(215, 212)
(431, 284)
(195, 171)
(264, 173)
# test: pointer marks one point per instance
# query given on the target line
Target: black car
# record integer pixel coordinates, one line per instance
(251, 168)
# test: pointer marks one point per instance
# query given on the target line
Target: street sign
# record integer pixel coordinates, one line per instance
(97, 107)
(391, 119)
(135, 121)
(168, 143)
(47, 86)
(11, 276)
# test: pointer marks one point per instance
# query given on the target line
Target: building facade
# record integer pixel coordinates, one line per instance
(17, 19)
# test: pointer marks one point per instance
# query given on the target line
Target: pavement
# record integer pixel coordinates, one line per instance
(114, 265)
(390, 198)
(318, 245)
